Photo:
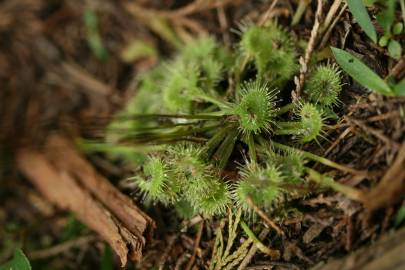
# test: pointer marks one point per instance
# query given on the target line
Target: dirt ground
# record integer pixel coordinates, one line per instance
(54, 85)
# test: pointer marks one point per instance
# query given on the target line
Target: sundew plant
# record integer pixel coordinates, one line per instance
(222, 134)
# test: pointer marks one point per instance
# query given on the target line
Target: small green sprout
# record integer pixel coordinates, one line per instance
(308, 128)
(290, 162)
(200, 182)
(324, 86)
(272, 50)
(256, 108)
(155, 186)
(259, 183)
(209, 57)
(180, 83)
(208, 195)
(312, 122)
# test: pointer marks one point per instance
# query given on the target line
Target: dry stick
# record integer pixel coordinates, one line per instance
(253, 250)
(328, 33)
(193, 7)
(61, 248)
(337, 141)
(170, 242)
(398, 71)
(329, 17)
(384, 116)
(264, 216)
(299, 81)
(223, 22)
(391, 187)
(196, 245)
(377, 133)
(267, 15)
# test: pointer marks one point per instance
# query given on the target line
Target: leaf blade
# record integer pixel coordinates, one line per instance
(19, 262)
(361, 73)
(360, 13)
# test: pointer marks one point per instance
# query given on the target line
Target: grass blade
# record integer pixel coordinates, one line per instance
(360, 13)
(361, 73)
(19, 262)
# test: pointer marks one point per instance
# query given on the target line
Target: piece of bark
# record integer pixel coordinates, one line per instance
(120, 205)
(386, 254)
(62, 190)
(66, 178)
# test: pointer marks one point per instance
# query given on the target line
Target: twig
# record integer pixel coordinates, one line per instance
(331, 14)
(193, 7)
(274, 254)
(267, 14)
(223, 22)
(377, 133)
(337, 141)
(391, 187)
(264, 216)
(170, 242)
(61, 248)
(299, 81)
(196, 245)
(253, 250)
(329, 31)
(398, 71)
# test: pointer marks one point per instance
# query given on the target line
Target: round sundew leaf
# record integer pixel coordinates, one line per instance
(256, 108)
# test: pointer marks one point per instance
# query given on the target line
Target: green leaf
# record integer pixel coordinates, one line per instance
(93, 36)
(399, 88)
(383, 41)
(19, 262)
(387, 16)
(361, 73)
(360, 13)
(107, 262)
(369, 3)
(398, 28)
(400, 216)
(395, 49)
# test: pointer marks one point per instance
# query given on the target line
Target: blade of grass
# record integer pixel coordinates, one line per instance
(360, 13)
(361, 73)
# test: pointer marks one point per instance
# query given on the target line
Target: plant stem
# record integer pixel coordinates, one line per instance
(302, 5)
(206, 116)
(149, 136)
(221, 104)
(319, 159)
(285, 109)
(274, 254)
(288, 128)
(215, 141)
(225, 149)
(323, 180)
(252, 148)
